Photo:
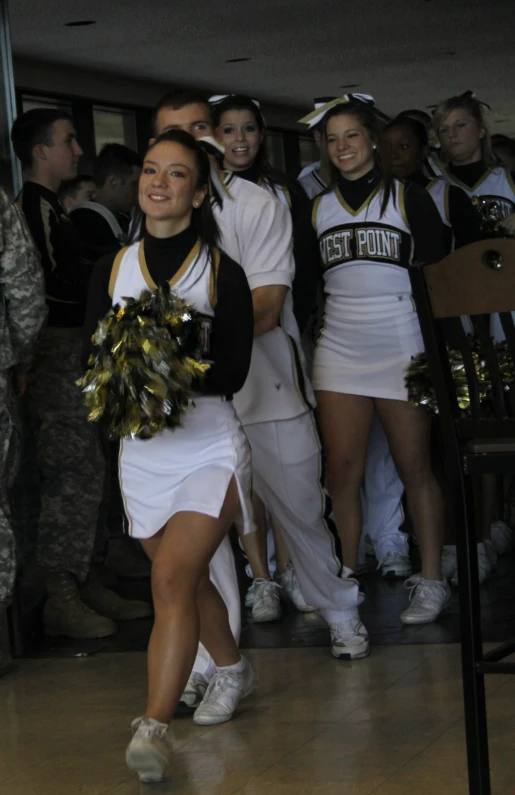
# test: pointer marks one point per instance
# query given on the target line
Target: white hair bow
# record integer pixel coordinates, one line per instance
(217, 98)
(316, 116)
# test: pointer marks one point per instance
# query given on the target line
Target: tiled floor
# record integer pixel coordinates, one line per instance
(391, 725)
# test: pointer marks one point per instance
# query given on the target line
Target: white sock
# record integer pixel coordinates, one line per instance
(237, 668)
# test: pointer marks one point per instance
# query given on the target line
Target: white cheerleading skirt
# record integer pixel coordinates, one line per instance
(188, 468)
(365, 348)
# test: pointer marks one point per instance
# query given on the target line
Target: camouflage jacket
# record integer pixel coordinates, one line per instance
(22, 288)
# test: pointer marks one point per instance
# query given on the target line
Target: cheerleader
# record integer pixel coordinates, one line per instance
(182, 488)
(408, 143)
(465, 140)
(368, 224)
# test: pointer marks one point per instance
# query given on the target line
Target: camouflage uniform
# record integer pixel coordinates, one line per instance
(22, 314)
(70, 460)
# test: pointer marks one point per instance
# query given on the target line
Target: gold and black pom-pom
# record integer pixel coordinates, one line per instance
(145, 362)
(420, 386)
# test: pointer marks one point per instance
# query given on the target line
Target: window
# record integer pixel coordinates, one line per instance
(308, 151)
(114, 126)
(30, 102)
(275, 147)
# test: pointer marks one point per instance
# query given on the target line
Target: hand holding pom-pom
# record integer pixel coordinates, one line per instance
(145, 363)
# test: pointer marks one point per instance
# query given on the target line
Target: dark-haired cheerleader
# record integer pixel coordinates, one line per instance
(182, 487)
(408, 143)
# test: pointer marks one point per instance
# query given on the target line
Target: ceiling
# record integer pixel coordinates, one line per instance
(407, 53)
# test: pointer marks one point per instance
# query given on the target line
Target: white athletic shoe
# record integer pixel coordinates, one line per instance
(149, 750)
(225, 691)
(291, 590)
(394, 564)
(427, 600)
(194, 692)
(502, 537)
(483, 564)
(250, 596)
(349, 640)
(267, 603)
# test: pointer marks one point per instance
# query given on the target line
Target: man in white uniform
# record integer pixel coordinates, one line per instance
(383, 490)
(275, 407)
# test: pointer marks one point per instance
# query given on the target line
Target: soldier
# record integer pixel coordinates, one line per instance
(22, 313)
(70, 461)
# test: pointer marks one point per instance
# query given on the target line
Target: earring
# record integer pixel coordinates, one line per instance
(374, 146)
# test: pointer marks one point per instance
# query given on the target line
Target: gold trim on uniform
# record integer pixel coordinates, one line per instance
(195, 251)
(402, 204)
(213, 277)
(314, 213)
(367, 201)
(452, 178)
(114, 270)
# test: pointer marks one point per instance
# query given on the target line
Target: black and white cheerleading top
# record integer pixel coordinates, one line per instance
(218, 291)
(366, 253)
(492, 184)
(457, 212)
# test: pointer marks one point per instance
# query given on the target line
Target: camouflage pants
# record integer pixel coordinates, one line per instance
(70, 461)
(9, 451)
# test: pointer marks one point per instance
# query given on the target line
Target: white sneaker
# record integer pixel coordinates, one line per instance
(394, 564)
(449, 561)
(267, 603)
(225, 691)
(250, 596)
(291, 589)
(502, 537)
(194, 692)
(427, 600)
(349, 640)
(483, 564)
(149, 750)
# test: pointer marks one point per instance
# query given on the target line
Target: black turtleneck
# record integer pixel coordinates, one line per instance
(233, 322)
(462, 215)
(471, 173)
(251, 174)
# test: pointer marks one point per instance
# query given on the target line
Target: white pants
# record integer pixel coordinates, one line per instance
(288, 477)
(382, 496)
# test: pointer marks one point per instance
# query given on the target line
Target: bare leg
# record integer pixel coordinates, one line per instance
(255, 544)
(408, 430)
(282, 556)
(345, 422)
(180, 556)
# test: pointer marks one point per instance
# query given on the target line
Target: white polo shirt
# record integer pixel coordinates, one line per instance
(256, 231)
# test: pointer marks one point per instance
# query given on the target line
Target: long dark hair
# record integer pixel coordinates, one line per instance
(271, 176)
(368, 119)
(202, 218)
